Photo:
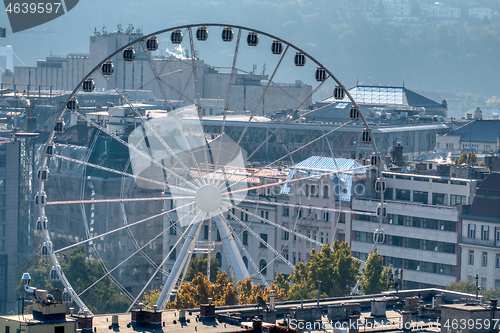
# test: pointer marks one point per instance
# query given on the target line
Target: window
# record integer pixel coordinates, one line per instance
(402, 194)
(412, 243)
(2, 185)
(172, 253)
(245, 237)
(218, 236)
(430, 224)
(485, 232)
(456, 200)
(173, 230)
(362, 217)
(321, 237)
(245, 261)
(484, 262)
(342, 218)
(413, 221)
(420, 196)
(395, 262)
(446, 247)
(205, 232)
(264, 238)
(414, 265)
(429, 267)
(449, 146)
(395, 241)
(325, 191)
(326, 216)
(430, 245)
(299, 213)
(300, 255)
(471, 257)
(286, 211)
(286, 235)
(497, 260)
(267, 215)
(446, 269)
(472, 231)
(448, 226)
(362, 236)
(439, 199)
(388, 194)
(218, 256)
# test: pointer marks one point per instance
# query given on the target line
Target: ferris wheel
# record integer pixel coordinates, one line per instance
(145, 186)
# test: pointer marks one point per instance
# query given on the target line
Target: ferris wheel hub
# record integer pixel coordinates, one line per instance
(208, 198)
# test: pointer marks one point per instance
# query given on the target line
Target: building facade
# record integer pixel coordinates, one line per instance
(421, 231)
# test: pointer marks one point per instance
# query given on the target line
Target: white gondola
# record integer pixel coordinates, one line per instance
(380, 185)
(40, 198)
(54, 277)
(59, 127)
(43, 173)
(354, 113)
(320, 74)
(338, 93)
(41, 223)
(366, 136)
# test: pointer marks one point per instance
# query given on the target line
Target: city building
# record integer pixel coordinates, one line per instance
(479, 136)
(422, 229)
(17, 178)
(480, 239)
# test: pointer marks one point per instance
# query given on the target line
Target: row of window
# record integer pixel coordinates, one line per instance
(423, 197)
(415, 265)
(408, 242)
(412, 221)
(484, 259)
(485, 232)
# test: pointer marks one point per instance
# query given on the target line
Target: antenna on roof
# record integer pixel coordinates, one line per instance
(357, 82)
(403, 83)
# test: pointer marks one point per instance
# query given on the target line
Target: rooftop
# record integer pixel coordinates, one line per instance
(478, 131)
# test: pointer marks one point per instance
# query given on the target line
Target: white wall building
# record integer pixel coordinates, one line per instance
(422, 229)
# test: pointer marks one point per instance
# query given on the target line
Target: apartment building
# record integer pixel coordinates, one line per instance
(480, 240)
(422, 229)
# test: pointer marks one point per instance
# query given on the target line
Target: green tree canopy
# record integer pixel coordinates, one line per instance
(199, 265)
(334, 267)
(374, 275)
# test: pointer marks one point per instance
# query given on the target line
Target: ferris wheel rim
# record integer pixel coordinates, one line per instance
(141, 40)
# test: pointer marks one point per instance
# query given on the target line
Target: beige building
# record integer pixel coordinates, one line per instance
(421, 231)
(480, 239)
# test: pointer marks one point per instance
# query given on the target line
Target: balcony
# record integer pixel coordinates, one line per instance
(479, 242)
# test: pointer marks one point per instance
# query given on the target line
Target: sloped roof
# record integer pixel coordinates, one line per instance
(319, 165)
(486, 202)
(478, 131)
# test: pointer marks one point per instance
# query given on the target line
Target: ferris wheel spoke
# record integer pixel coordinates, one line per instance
(172, 279)
(190, 228)
(129, 257)
(346, 171)
(289, 154)
(118, 172)
(146, 124)
(273, 250)
(92, 201)
(287, 118)
(118, 229)
(243, 248)
(228, 95)
(135, 150)
(257, 106)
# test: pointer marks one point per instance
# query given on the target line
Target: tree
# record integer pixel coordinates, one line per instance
(199, 265)
(462, 159)
(463, 286)
(334, 267)
(374, 278)
(490, 294)
(471, 158)
(81, 272)
(281, 287)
